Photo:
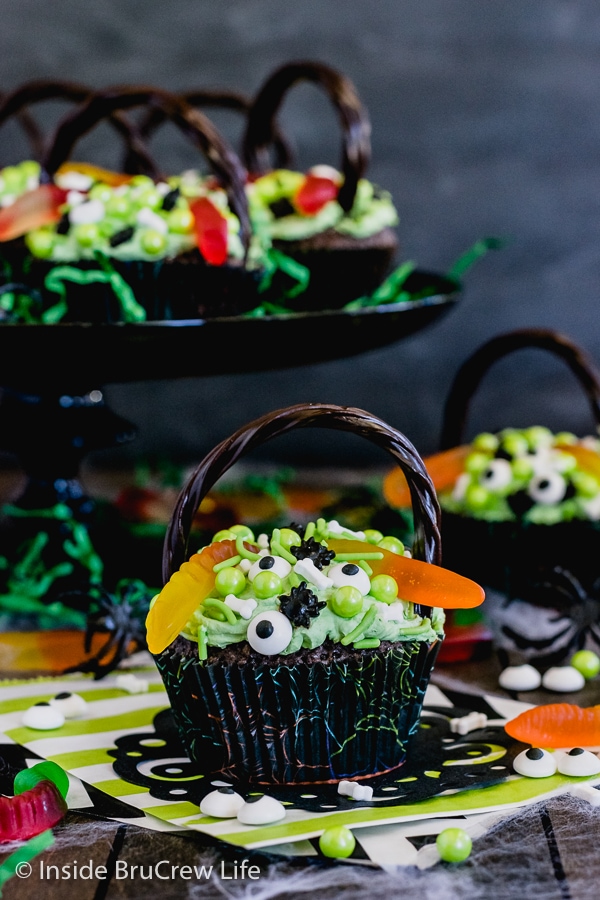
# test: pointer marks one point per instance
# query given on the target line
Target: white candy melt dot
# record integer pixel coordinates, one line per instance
(520, 678)
(43, 717)
(261, 810)
(87, 213)
(132, 684)
(223, 803)
(72, 706)
(577, 762)
(563, 679)
(535, 763)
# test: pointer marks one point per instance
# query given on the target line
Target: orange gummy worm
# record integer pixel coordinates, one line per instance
(418, 581)
(107, 176)
(33, 209)
(444, 468)
(557, 725)
(183, 593)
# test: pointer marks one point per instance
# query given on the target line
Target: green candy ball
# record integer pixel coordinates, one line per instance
(40, 243)
(454, 845)
(587, 662)
(486, 442)
(384, 588)
(87, 234)
(245, 531)
(337, 843)
(289, 538)
(224, 535)
(118, 205)
(347, 601)
(393, 544)
(476, 463)
(230, 581)
(373, 536)
(476, 496)
(153, 242)
(181, 221)
(267, 584)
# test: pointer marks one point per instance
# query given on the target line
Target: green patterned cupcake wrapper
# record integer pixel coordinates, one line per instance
(304, 723)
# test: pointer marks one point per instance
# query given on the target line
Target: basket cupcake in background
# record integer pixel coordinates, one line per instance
(521, 512)
(302, 655)
(332, 221)
(112, 247)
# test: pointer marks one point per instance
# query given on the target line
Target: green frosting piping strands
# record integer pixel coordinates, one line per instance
(213, 603)
(309, 530)
(203, 642)
(276, 261)
(365, 566)
(346, 557)
(55, 282)
(278, 550)
(367, 644)
(25, 854)
(227, 563)
(363, 625)
(243, 551)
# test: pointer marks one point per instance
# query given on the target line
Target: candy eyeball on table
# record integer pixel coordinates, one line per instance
(535, 763)
(261, 810)
(223, 803)
(563, 679)
(72, 706)
(520, 678)
(43, 717)
(577, 762)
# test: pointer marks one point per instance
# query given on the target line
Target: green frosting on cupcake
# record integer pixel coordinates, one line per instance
(529, 475)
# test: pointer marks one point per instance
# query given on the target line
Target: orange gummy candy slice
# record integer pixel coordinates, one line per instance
(557, 725)
(32, 209)
(443, 468)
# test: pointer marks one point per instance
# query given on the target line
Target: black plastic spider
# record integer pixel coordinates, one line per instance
(121, 615)
(311, 549)
(560, 591)
(301, 605)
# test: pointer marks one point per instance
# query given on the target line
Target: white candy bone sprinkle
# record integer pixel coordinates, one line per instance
(585, 792)
(74, 181)
(334, 527)
(131, 683)
(244, 608)
(245, 564)
(470, 722)
(263, 541)
(394, 612)
(355, 791)
(152, 220)
(305, 568)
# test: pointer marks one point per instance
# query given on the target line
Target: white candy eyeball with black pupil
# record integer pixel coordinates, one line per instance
(535, 763)
(276, 564)
(224, 803)
(348, 573)
(578, 762)
(261, 810)
(547, 487)
(71, 705)
(497, 475)
(269, 633)
(43, 717)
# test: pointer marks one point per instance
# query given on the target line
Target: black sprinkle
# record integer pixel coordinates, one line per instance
(170, 199)
(281, 208)
(63, 225)
(119, 237)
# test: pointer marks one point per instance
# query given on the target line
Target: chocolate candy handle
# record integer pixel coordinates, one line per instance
(16, 102)
(426, 511)
(213, 98)
(196, 126)
(471, 373)
(356, 128)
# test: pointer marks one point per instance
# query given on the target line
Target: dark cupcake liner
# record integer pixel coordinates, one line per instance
(302, 723)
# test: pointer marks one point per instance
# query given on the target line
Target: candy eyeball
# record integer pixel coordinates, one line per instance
(497, 475)
(348, 573)
(563, 679)
(224, 803)
(72, 706)
(547, 487)
(269, 633)
(535, 763)
(578, 762)
(275, 564)
(43, 717)
(520, 678)
(261, 810)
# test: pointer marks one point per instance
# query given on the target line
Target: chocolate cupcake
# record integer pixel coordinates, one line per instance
(335, 223)
(115, 247)
(301, 656)
(521, 511)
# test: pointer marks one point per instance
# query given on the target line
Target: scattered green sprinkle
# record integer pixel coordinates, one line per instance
(278, 550)
(243, 551)
(347, 557)
(203, 642)
(357, 633)
(365, 566)
(226, 563)
(213, 603)
(367, 644)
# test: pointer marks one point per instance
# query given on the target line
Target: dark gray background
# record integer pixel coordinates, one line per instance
(485, 120)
